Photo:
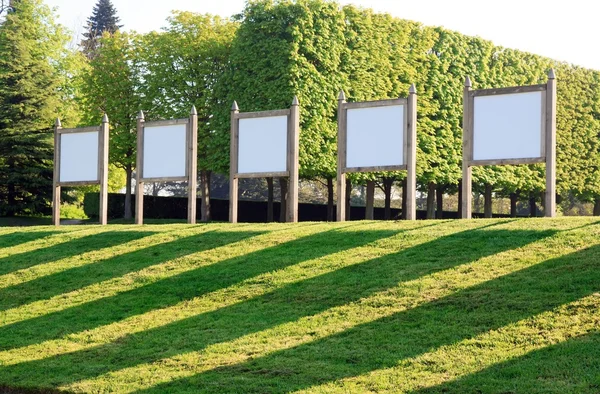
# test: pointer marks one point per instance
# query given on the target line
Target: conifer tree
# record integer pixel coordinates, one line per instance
(31, 46)
(104, 19)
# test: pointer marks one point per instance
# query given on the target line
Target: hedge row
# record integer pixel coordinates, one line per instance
(249, 211)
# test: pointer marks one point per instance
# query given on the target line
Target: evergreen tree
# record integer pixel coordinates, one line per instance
(31, 48)
(104, 19)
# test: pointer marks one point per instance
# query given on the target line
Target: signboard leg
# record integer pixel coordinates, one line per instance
(467, 195)
(139, 185)
(233, 165)
(103, 212)
(56, 205)
(293, 165)
(411, 159)
(550, 206)
(56, 176)
(192, 165)
(341, 175)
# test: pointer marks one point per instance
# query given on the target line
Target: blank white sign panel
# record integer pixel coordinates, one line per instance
(508, 126)
(79, 157)
(375, 136)
(263, 145)
(165, 151)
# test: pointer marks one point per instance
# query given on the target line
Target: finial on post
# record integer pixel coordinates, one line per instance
(194, 111)
(295, 101)
(468, 83)
(105, 118)
(412, 89)
(141, 115)
(235, 107)
(342, 96)
(551, 74)
(57, 123)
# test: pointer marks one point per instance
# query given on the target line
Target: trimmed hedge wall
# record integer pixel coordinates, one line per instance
(249, 211)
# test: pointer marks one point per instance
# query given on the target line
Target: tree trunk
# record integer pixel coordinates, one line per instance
(128, 173)
(330, 198)
(532, 207)
(269, 199)
(439, 199)
(460, 199)
(404, 198)
(431, 200)
(283, 185)
(597, 207)
(348, 198)
(487, 201)
(514, 198)
(369, 210)
(387, 190)
(205, 191)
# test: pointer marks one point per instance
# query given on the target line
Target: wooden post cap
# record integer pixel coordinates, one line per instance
(468, 83)
(412, 89)
(141, 115)
(342, 96)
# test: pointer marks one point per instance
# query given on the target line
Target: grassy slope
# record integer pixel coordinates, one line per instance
(445, 306)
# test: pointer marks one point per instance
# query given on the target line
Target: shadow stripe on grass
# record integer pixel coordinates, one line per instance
(66, 249)
(283, 305)
(386, 342)
(75, 278)
(170, 290)
(567, 367)
(16, 238)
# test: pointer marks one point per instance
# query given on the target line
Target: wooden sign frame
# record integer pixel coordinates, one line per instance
(191, 160)
(292, 164)
(548, 140)
(57, 183)
(409, 148)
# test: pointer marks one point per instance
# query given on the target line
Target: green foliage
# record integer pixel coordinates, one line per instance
(282, 49)
(182, 66)
(111, 86)
(34, 69)
(103, 19)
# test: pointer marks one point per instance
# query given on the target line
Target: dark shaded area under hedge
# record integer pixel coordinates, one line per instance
(248, 211)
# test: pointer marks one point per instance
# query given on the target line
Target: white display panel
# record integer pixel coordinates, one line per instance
(375, 136)
(79, 157)
(263, 145)
(165, 151)
(508, 126)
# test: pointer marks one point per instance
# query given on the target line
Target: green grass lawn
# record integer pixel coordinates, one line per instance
(482, 306)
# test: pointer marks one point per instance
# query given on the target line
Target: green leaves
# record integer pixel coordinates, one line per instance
(34, 90)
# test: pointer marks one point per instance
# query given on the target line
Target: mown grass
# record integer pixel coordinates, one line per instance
(436, 306)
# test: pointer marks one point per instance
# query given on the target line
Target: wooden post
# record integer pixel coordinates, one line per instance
(233, 165)
(192, 165)
(467, 195)
(292, 161)
(411, 157)
(56, 176)
(550, 205)
(369, 212)
(103, 171)
(139, 185)
(341, 175)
